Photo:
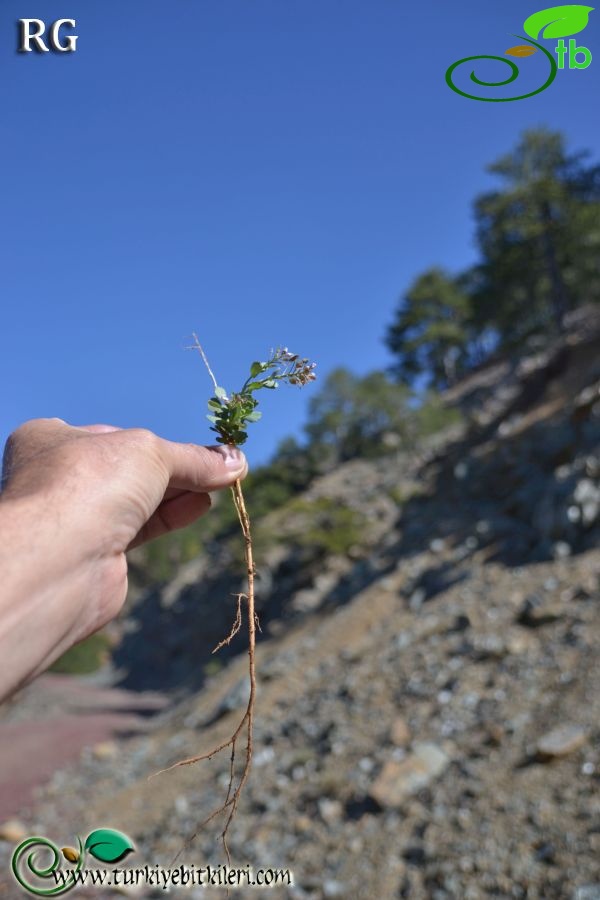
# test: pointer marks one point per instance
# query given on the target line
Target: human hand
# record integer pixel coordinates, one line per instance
(73, 501)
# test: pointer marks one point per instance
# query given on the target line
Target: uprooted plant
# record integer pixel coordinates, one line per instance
(230, 414)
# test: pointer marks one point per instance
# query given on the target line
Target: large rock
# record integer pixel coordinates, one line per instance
(398, 780)
(400, 732)
(535, 612)
(587, 892)
(561, 741)
(587, 498)
(13, 831)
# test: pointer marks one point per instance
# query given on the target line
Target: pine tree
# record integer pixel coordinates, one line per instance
(430, 333)
(539, 236)
(351, 415)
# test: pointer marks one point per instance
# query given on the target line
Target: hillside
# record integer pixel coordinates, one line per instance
(429, 691)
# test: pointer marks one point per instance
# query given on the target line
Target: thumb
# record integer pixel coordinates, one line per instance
(195, 468)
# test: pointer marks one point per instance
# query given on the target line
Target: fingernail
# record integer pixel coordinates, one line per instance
(234, 458)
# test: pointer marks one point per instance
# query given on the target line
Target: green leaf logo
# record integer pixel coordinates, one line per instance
(558, 21)
(108, 845)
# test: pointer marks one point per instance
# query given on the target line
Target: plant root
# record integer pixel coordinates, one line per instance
(232, 798)
(237, 624)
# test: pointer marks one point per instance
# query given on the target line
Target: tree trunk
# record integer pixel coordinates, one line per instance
(560, 302)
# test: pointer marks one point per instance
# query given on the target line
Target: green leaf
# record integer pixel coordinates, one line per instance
(253, 416)
(214, 404)
(108, 845)
(221, 393)
(557, 21)
(254, 386)
(256, 368)
(212, 418)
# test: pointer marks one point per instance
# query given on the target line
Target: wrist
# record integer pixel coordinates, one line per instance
(49, 589)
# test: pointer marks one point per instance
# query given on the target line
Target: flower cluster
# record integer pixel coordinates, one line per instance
(299, 371)
(230, 415)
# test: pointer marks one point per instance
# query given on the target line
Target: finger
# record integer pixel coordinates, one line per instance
(172, 492)
(182, 510)
(195, 468)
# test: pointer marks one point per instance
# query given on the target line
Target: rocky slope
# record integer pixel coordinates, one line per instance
(429, 690)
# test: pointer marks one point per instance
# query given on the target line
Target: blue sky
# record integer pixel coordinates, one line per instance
(266, 172)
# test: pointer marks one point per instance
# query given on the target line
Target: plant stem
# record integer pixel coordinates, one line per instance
(240, 506)
(198, 346)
